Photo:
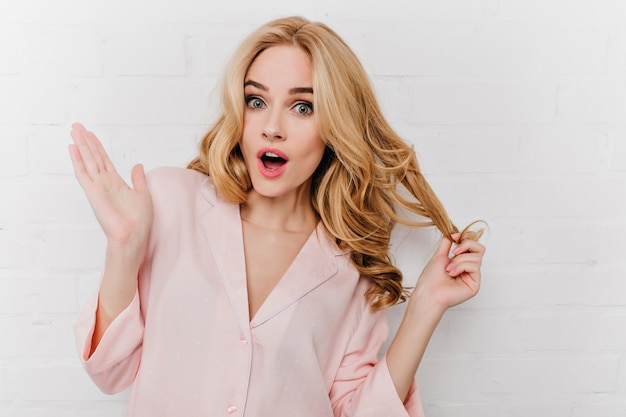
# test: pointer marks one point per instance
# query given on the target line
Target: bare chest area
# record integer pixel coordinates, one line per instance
(268, 255)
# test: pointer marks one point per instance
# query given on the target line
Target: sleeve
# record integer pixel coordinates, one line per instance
(363, 386)
(114, 363)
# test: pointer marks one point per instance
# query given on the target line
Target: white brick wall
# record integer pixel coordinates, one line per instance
(517, 110)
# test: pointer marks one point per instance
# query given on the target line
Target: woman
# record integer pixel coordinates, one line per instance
(254, 282)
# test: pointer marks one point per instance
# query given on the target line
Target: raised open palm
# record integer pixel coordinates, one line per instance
(124, 213)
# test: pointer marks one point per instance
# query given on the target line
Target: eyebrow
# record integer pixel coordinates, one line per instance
(295, 90)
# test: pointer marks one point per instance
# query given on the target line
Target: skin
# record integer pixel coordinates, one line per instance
(279, 115)
(277, 218)
(125, 215)
(444, 283)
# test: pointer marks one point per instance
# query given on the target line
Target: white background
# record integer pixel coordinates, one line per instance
(517, 110)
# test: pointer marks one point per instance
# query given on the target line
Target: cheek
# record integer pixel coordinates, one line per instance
(246, 134)
(245, 127)
(243, 146)
(318, 144)
(316, 151)
(248, 124)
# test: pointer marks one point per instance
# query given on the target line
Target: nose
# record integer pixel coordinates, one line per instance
(272, 134)
(273, 127)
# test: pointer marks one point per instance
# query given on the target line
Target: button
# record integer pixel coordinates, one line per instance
(232, 409)
(242, 339)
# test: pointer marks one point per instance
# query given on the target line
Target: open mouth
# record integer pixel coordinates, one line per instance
(272, 161)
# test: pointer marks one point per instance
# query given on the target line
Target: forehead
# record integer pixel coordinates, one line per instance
(282, 66)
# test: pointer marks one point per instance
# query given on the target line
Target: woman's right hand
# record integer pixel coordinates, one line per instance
(125, 214)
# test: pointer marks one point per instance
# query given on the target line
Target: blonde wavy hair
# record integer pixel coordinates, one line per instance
(357, 189)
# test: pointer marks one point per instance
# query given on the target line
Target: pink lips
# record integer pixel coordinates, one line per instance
(276, 167)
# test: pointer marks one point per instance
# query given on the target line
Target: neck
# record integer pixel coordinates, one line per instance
(292, 214)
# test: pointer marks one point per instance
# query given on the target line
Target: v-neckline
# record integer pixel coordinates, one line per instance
(314, 264)
(286, 273)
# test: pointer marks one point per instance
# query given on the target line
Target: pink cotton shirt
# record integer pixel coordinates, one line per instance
(186, 342)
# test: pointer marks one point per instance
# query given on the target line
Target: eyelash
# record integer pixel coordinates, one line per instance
(249, 99)
(306, 104)
(309, 106)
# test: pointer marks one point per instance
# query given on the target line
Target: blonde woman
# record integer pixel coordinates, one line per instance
(254, 282)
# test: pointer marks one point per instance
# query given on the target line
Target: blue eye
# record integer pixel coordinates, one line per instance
(254, 102)
(304, 108)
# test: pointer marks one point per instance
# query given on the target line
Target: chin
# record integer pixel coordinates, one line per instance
(267, 190)
(275, 190)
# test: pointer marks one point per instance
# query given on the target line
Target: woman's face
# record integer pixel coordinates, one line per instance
(281, 143)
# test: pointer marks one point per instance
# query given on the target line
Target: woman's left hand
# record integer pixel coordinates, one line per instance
(447, 281)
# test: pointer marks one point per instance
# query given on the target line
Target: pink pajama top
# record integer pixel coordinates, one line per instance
(189, 349)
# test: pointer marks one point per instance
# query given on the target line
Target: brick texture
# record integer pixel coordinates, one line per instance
(516, 109)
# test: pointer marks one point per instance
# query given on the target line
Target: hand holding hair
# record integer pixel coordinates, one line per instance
(445, 282)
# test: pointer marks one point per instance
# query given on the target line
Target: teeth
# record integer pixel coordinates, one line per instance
(271, 155)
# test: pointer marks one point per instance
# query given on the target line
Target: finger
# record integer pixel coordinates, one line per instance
(92, 141)
(138, 178)
(79, 168)
(444, 247)
(78, 126)
(471, 281)
(78, 135)
(99, 149)
(466, 257)
(108, 165)
(467, 266)
(469, 245)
